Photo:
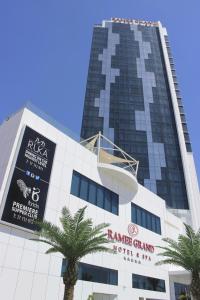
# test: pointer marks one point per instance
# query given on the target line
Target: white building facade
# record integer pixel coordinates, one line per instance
(43, 169)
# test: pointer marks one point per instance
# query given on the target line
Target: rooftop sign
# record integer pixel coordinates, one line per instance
(135, 22)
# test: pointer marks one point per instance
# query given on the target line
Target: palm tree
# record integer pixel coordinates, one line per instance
(77, 238)
(186, 254)
(182, 297)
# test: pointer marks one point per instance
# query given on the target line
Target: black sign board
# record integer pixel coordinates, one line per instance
(28, 189)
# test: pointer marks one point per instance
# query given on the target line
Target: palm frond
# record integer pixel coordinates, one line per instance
(66, 219)
(189, 232)
(184, 252)
(52, 250)
(77, 237)
(170, 261)
(98, 228)
(79, 216)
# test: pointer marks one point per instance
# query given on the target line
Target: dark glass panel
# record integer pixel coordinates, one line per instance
(97, 274)
(148, 283)
(100, 197)
(84, 188)
(75, 186)
(115, 204)
(108, 200)
(92, 192)
(145, 218)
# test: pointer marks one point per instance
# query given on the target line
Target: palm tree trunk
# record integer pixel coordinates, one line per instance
(69, 279)
(69, 292)
(195, 286)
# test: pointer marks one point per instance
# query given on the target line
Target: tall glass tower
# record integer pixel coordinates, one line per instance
(133, 98)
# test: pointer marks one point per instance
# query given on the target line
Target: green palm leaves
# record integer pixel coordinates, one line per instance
(186, 254)
(76, 238)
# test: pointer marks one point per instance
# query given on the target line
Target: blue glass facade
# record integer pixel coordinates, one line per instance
(128, 99)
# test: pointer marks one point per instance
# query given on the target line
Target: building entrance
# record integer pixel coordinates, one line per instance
(98, 296)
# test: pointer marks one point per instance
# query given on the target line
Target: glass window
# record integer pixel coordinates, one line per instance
(108, 200)
(102, 275)
(115, 204)
(145, 219)
(158, 230)
(149, 225)
(113, 277)
(97, 274)
(148, 283)
(153, 223)
(92, 193)
(144, 222)
(75, 184)
(84, 188)
(100, 197)
(182, 290)
(135, 283)
(139, 216)
(64, 266)
(134, 214)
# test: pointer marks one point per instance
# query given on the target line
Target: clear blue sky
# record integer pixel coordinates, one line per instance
(45, 46)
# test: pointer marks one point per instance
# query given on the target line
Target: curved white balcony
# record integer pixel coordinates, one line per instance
(124, 176)
(113, 161)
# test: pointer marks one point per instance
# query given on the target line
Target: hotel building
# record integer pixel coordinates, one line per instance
(42, 169)
(133, 98)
